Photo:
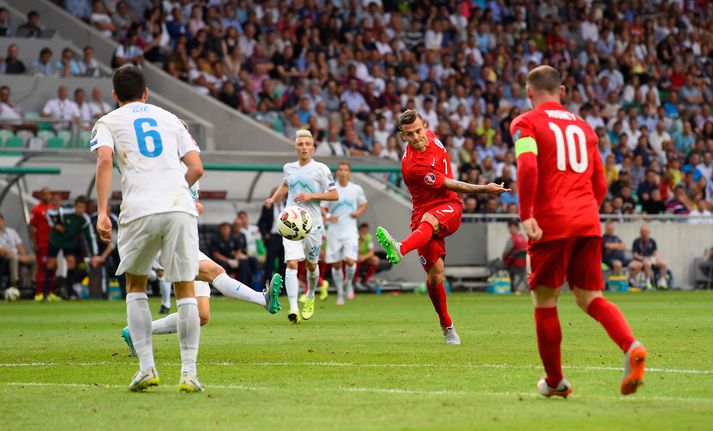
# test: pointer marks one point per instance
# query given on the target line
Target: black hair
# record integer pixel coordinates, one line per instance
(129, 83)
(80, 200)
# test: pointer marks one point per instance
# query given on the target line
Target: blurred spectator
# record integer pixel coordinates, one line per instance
(654, 204)
(39, 235)
(13, 254)
(66, 65)
(79, 8)
(12, 65)
(247, 266)
(470, 205)
(10, 114)
(331, 145)
(85, 115)
(61, 109)
(101, 20)
(88, 65)
(224, 249)
(5, 25)
(367, 261)
(123, 19)
(97, 106)
(128, 52)
(613, 249)
(646, 257)
(43, 65)
(32, 27)
(700, 214)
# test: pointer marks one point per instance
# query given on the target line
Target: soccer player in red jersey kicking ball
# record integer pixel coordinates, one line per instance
(562, 185)
(437, 209)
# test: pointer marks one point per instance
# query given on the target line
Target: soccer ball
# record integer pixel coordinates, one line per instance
(295, 223)
(12, 294)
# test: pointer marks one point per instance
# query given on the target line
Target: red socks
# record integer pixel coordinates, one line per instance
(549, 339)
(549, 334)
(613, 321)
(418, 238)
(437, 293)
(371, 270)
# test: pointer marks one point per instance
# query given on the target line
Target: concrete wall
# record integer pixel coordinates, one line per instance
(678, 243)
(232, 130)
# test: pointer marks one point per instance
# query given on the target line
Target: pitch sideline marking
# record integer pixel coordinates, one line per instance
(350, 364)
(395, 391)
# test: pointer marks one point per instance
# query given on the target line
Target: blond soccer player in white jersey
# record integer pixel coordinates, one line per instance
(306, 183)
(342, 232)
(157, 214)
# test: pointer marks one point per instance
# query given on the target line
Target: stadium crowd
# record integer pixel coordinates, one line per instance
(639, 72)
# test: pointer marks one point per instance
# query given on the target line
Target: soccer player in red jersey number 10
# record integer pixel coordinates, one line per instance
(562, 185)
(437, 209)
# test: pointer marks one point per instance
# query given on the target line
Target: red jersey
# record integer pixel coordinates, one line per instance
(560, 172)
(424, 174)
(38, 219)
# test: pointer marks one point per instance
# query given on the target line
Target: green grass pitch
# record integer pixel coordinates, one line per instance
(377, 363)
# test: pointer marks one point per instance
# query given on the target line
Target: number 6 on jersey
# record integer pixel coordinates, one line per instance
(142, 134)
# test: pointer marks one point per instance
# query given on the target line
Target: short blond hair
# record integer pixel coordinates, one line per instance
(303, 133)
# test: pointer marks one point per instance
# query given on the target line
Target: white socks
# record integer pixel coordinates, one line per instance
(349, 274)
(291, 287)
(165, 288)
(189, 334)
(312, 280)
(338, 278)
(167, 325)
(138, 318)
(234, 289)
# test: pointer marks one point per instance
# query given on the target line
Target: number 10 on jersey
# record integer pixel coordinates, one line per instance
(142, 134)
(576, 140)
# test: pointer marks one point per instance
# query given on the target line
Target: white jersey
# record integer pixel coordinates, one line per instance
(314, 177)
(351, 197)
(148, 143)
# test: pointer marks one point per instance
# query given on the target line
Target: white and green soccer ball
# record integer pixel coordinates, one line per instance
(12, 294)
(294, 223)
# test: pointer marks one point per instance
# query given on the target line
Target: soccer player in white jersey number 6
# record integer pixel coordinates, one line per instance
(306, 183)
(211, 272)
(342, 231)
(157, 214)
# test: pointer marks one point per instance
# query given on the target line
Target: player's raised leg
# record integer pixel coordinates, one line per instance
(418, 238)
(213, 273)
(587, 284)
(614, 322)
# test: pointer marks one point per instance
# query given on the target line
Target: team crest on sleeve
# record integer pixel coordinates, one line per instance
(438, 142)
(517, 134)
(430, 179)
(422, 260)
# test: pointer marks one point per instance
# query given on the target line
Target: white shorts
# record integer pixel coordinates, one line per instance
(202, 288)
(342, 247)
(308, 247)
(174, 234)
(202, 256)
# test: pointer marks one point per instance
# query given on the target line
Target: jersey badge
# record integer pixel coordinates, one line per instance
(430, 179)
(516, 135)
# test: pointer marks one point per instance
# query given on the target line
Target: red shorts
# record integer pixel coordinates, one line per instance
(449, 219)
(577, 260)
